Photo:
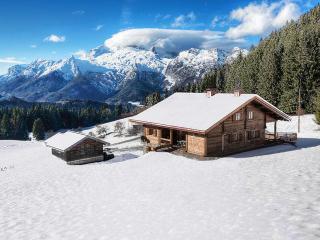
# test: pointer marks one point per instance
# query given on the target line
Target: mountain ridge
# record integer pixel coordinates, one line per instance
(122, 75)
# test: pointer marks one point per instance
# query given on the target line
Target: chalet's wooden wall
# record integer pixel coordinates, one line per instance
(59, 154)
(154, 140)
(85, 149)
(196, 144)
(218, 142)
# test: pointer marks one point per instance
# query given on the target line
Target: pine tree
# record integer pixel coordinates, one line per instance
(20, 130)
(288, 59)
(220, 83)
(317, 109)
(291, 76)
(118, 110)
(5, 127)
(270, 75)
(38, 129)
(152, 99)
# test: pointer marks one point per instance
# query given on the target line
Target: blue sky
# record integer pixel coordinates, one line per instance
(56, 29)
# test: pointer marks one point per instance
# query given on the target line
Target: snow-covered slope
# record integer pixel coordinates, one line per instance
(270, 193)
(126, 59)
(122, 74)
(235, 53)
(191, 65)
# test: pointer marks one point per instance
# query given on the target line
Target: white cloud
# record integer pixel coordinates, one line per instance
(160, 17)
(81, 54)
(184, 20)
(214, 22)
(260, 19)
(54, 38)
(98, 27)
(78, 12)
(126, 15)
(11, 60)
(33, 46)
(7, 62)
(289, 11)
(168, 41)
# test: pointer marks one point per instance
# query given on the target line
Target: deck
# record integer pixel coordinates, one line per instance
(179, 149)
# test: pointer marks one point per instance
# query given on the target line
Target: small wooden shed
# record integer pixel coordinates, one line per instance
(76, 148)
(210, 123)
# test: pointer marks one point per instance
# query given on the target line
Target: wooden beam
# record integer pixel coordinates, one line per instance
(222, 143)
(245, 117)
(187, 142)
(205, 150)
(159, 134)
(222, 138)
(275, 130)
(171, 136)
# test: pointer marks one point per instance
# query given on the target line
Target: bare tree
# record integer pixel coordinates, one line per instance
(91, 134)
(119, 127)
(102, 131)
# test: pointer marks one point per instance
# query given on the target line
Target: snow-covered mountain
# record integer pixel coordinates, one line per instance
(103, 74)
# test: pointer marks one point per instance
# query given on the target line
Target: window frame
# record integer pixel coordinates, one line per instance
(150, 131)
(250, 115)
(253, 134)
(237, 116)
(165, 133)
(235, 137)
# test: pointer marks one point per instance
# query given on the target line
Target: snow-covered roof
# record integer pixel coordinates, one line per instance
(197, 112)
(64, 141)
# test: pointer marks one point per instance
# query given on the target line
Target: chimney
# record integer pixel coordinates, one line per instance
(211, 91)
(237, 92)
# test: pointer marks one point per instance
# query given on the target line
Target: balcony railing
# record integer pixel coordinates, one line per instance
(289, 137)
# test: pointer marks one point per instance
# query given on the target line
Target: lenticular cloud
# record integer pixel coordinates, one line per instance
(169, 41)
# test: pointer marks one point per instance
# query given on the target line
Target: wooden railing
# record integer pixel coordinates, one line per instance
(282, 136)
(287, 136)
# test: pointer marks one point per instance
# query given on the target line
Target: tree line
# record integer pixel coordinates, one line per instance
(17, 122)
(282, 63)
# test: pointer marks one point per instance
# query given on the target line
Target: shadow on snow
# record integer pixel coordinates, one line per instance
(121, 158)
(301, 143)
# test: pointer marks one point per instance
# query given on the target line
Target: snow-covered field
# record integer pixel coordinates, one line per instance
(270, 193)
(120, 143)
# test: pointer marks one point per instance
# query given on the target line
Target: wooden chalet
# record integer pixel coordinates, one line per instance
(211, 124)
(76, 148)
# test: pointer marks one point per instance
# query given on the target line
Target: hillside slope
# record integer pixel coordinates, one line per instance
(260, 194)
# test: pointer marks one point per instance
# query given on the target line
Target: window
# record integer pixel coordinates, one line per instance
(234, 137)
(238, 116)
(82, 150)
(165, 133)
(152, 131)
(250, 115)
(155, 132)
(257, 134)
(253, 134)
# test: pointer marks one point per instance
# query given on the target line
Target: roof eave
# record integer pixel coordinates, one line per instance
(168, 126)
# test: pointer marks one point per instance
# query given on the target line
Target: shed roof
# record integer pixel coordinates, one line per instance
(66, 140)
(198, 112)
